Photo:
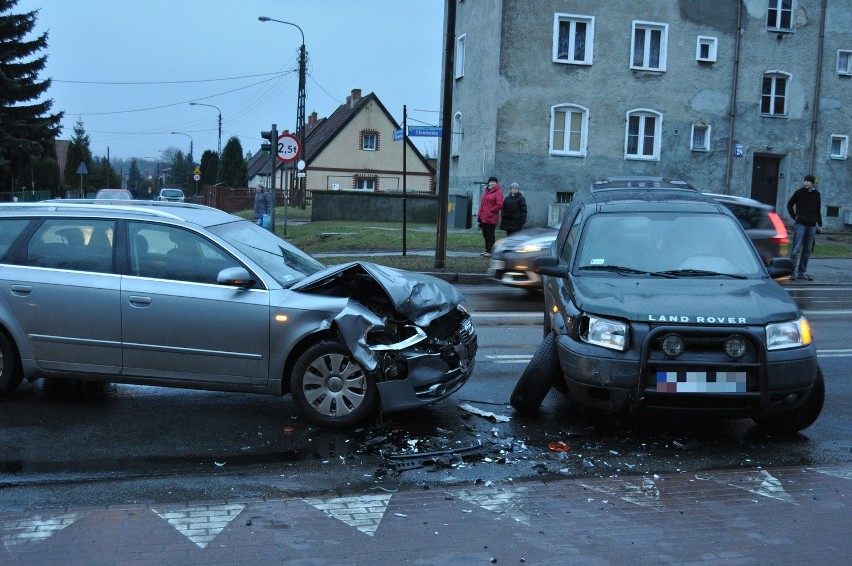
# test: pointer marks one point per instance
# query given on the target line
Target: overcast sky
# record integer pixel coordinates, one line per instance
(128, 70)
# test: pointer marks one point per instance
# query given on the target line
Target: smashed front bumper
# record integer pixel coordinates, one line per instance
(431, 370)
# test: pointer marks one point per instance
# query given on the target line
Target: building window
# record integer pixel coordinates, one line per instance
(368, 140)
(456, 138)
(569, 125)
(365, 184)
(839, 147)
(844, 62)
(779, 16)
(573, 38)
(773, 94)
(459, 55)
(705, 50)
(700, 140)
(648, 51)
(642, 139)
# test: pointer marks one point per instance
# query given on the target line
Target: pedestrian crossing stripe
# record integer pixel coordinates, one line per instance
(200, 523)
(363, 512)
(498, 500)
(35, 528)
(645, 495)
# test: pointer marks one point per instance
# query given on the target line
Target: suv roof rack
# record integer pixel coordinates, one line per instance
(639, 181)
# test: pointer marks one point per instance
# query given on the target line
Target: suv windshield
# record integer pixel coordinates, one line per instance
(284, 262)
(680, 244)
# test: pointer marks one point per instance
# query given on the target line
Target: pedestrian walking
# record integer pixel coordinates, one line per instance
(489, 213)
(263, 206)
(805, 208)
(514, 214)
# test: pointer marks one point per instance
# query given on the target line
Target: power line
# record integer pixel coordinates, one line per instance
(119, 83)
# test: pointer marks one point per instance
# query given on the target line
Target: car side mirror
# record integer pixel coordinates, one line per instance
(549, 265)
(780, 267)
(236, 277)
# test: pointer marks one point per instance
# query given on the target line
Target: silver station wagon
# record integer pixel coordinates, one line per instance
(183, 295)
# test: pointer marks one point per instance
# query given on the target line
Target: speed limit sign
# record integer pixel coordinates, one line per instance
(288, 148)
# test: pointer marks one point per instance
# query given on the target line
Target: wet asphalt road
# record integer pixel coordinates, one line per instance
(73, 444)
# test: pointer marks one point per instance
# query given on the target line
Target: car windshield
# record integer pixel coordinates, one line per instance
(679, 244)
(283, 261)
(171, 193)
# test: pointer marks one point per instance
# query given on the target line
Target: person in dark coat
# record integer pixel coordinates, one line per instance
(514, 214)
(805, 209)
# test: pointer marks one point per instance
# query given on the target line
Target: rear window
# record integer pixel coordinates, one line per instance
(751, 217)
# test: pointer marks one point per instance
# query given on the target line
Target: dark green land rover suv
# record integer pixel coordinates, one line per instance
(655, 299)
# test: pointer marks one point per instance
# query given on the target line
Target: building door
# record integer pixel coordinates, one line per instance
(764, 179)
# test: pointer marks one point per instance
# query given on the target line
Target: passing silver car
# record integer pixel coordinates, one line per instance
(182, 295)
(513, 257)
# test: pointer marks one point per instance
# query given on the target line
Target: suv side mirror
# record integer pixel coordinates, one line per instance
(549, 265)
(780, 267)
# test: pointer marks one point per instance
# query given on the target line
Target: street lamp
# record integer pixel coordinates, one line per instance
(190, 143)
(219, 152)
(300, 104)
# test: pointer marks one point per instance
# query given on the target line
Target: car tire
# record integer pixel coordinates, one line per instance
(539, 376)
(331, 388)
(10, 367)
(802, 416)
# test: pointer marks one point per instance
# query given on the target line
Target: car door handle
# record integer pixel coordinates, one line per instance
(139, 301)
(21, 290)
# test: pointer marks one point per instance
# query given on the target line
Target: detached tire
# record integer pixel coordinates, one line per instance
(10, 367)
(331, 388)
(803, 416)
(539, 376)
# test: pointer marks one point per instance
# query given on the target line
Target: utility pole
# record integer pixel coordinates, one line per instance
(446, 128)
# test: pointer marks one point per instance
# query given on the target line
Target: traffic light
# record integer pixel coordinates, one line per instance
(272, 137)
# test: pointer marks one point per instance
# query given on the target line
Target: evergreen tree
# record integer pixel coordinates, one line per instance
(234, 168)
(133, 175)
(78, 152)
(209, 167)
(26, 128)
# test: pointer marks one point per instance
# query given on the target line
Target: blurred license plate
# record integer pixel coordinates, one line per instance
(496, 264)
(709, 381)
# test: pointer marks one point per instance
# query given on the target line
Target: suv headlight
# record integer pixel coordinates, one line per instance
(791, 334)
(610, 334)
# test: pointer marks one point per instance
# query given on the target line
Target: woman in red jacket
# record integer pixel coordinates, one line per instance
(489, 213)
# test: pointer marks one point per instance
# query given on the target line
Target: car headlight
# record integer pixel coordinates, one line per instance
(602, 332)
(793, 334)
(528, 248)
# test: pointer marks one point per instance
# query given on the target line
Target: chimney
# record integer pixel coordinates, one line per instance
(312, 119)
(356, 96)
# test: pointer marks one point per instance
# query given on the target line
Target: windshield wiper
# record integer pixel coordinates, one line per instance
(700, 273)
(622, 270)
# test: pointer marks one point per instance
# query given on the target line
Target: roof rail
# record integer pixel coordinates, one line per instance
(67, 204)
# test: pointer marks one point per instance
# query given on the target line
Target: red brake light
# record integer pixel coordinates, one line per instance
(780, 229)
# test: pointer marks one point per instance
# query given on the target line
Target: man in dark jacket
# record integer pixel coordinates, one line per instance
(514, 214)
(805, 209)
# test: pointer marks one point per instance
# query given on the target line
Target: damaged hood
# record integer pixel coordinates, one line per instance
(419, 297)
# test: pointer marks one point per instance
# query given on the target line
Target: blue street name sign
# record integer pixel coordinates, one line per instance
(397, 135)
(426, 132)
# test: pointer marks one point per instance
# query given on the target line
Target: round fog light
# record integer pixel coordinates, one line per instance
(735, 347)
(672, 345)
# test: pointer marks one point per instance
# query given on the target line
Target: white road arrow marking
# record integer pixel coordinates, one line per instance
(646, 495)
(498, 500)
(35, 528)
(759, 482)
(200, 523)
(364, 512)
